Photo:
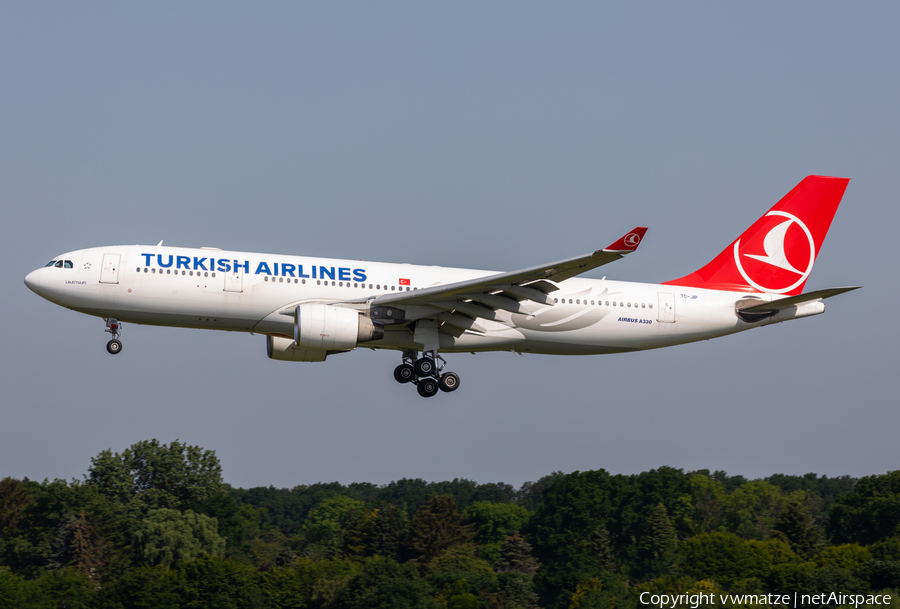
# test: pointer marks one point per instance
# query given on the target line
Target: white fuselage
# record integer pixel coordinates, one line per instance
(247, 292)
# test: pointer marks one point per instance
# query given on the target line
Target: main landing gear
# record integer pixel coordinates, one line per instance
(113, 326)
(425, 374)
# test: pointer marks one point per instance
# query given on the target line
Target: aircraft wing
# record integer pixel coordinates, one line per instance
(482, 296)
(783, 303)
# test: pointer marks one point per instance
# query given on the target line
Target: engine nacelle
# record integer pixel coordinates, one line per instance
(329, 328)
(285, 350)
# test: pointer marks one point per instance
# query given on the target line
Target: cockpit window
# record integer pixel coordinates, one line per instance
(68, 264)
(51, 263)
(58, 264)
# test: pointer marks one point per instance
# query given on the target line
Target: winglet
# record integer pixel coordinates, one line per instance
(629, 242)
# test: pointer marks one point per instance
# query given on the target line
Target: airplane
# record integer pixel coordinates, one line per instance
(310, 308)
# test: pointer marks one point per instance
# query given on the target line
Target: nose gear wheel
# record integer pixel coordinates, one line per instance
(114, 346)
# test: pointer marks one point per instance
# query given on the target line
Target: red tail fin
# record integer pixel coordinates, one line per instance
(777, 253)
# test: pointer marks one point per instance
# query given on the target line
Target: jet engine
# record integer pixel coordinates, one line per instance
(321, 326)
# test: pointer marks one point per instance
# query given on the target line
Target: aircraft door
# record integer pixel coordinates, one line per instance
(109, 272)
(234, 280)
(666, 310)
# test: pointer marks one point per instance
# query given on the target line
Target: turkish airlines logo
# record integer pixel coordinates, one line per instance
(632, 240)
(773, 246)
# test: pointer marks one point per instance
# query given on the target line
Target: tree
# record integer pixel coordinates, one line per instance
(167, 537)
(13, 499)
(77, 545)
(389, 532)
(385, 584)
(726, 558)
(437, 526)
(658, 545)
(159, 475)
(869, 513)
(331, 525)
(797, 525)
(573, 509)
(493, 523)
(515, 556)
(459, 558)
(752, 510)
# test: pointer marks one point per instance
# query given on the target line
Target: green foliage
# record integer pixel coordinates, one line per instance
(797, 525)
(385, 584)
(658, 545)
(459, 597)
(14, 496)
(753, 509)
(494, 522)
(156, 527)
(868, 513)
(437, 526)
(390, 532)
(167, 537)
(158, 475)
(515, 557)
(331, 526)
(727, 558)
(852, 557)
(459, 558)
(573, 507)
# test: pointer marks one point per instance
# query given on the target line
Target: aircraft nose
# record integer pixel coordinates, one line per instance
(33, 280)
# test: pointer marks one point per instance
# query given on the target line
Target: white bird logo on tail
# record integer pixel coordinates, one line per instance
(773, 246)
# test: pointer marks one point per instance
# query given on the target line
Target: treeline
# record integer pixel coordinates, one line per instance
(155, 526)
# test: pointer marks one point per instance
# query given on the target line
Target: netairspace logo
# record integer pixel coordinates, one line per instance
(795, 600)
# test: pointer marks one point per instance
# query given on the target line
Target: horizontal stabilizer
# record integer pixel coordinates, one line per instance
(792, 301)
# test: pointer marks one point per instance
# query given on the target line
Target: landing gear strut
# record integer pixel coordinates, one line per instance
(425, 373)
(113, 326)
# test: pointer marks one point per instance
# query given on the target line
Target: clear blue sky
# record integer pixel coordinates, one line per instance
(486, 135)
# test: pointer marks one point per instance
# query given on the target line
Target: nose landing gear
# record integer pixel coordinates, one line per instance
(425, 373)
(114, 346)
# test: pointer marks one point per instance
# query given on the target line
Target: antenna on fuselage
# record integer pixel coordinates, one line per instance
(160, 243)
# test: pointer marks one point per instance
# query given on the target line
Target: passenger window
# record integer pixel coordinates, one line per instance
(68, 264)
(570, 301)
(138, 269)
(556, 300)
(650, 305)
(643, 306)
(266, 278)
(393, 288)
(318, 282)
(577, 301)
(146, 269)
(168, 272)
